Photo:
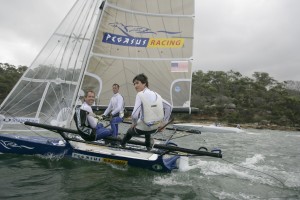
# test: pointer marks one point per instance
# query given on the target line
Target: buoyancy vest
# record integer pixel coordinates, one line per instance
(153, 112)
(85, 131)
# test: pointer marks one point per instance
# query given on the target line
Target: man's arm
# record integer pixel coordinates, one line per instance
(108, 109)
(91, 116)
(136, 110)
(119, 106)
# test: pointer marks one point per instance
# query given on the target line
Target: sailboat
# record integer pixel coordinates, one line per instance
(100, 43)
(213, 128)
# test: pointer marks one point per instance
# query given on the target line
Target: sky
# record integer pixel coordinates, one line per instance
(241, 35)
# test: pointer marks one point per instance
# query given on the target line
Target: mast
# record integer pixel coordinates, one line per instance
(86, 59)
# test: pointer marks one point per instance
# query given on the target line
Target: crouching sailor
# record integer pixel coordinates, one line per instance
(86, 121)
(149, 114)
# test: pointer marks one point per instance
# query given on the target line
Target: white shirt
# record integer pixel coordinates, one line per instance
(90, 117)
(115, 105)
(137, 110)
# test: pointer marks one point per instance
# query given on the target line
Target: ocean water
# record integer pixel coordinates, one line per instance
(256, 164)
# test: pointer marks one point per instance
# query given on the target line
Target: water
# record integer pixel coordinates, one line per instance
(257, 164)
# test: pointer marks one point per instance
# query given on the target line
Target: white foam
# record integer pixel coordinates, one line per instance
(252, 133)
(292, 179)
(173, 179)
(51, 156)
(215, 168)
(226, 195)
(183, 164)
(253, 160)
(247, 170)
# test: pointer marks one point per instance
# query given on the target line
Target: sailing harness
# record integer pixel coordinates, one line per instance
(85, 131)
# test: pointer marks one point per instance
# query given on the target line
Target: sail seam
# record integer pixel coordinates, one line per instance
(149, 14)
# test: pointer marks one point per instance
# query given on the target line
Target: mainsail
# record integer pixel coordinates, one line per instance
(143, 36)
(102, 43)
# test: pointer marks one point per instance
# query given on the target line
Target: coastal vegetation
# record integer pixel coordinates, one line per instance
(232, 98)
(226, 97)
(9, 76)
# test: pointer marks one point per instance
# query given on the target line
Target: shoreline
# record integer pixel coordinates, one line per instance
(243, 125)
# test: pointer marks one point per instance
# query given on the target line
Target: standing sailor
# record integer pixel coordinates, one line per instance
(150, 113)
(115, 109)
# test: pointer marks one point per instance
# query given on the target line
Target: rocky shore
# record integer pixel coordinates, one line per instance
(244, 125)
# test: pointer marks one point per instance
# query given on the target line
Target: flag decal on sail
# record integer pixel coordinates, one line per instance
(179, 66)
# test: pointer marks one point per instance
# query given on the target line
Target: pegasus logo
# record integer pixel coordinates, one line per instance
(130, 37)
(129, 29)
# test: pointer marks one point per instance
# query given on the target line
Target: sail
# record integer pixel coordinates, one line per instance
(47, 89)
(102, 43)
(143, 36)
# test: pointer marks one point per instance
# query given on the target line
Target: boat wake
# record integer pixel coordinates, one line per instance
(51, 156)
(252, 169)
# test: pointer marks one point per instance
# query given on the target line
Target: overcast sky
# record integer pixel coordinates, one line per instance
(243, 35)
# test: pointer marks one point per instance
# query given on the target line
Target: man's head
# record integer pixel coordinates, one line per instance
(115, 88)
(89, 97)
(140, 81)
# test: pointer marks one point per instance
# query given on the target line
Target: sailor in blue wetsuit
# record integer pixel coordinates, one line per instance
(86, 121)
(115, 109)
(150, 113)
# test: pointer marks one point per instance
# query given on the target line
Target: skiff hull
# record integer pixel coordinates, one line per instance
(32, 145)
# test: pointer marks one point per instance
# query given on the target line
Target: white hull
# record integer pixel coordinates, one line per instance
(207, 128)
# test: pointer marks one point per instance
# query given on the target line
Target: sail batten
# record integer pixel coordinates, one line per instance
(138, 58)
(147, 13)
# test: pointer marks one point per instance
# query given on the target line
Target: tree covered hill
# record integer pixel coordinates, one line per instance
(230, 97)
(224, 96)
(9, 76)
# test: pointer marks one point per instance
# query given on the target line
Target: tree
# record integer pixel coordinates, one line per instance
(8, 78)
(259, 99)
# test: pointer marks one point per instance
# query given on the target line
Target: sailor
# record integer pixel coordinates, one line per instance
(115, 109)
(87, 122)
(150, 113)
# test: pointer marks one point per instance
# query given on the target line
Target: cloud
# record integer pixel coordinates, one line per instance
(240, 35)
(248, 36)
(26, 26)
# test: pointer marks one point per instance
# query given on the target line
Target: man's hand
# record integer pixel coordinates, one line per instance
(161, 127)
(99, 117)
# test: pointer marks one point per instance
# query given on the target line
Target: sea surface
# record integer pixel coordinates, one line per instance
(256, 164)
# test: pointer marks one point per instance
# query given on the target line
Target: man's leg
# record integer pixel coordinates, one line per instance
(102, 132)
(147, 140)
(114, 125)
(130, 132)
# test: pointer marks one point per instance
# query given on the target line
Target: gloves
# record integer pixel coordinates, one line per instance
(99, 117)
